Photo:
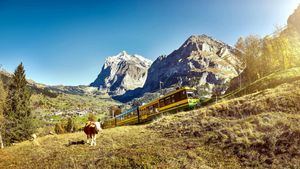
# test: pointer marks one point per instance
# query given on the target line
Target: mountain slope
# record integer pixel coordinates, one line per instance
(121, 73)
(261, 129)
(200, 60)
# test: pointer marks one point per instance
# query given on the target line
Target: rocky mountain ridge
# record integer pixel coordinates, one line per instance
(201, 59)
(121, 73)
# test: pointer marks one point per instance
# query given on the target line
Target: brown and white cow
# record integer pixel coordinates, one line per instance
(91, 129)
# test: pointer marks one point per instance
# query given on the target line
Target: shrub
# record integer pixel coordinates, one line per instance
(91, 117)
(59, 129)
(70, 125)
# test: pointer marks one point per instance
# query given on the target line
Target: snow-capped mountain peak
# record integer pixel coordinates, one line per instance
(124, 56)
(122, 72)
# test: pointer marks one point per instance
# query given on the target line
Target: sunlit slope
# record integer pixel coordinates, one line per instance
(270, 81)
(261, 129)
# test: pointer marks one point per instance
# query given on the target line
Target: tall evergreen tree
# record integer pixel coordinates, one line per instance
(19, 121)
(2, 106)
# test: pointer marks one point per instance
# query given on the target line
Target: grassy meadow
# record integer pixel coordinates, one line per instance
(122, 147)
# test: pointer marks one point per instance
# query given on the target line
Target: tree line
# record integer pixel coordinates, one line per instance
(16, 120)
(263, 56)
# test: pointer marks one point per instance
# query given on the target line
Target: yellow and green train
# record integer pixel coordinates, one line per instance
(182, 99)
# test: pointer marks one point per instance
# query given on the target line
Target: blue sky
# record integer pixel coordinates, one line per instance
(66, 42)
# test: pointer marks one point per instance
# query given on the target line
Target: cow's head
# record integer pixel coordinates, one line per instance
(98, 126)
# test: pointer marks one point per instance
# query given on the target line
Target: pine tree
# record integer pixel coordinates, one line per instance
(19, 120)
(2, 106)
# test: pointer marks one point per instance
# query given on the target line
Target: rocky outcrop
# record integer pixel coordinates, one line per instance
(121, 73)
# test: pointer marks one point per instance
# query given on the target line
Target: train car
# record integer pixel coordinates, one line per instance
(179, 100)
(149, 110)
(125, 118)
(128, 117)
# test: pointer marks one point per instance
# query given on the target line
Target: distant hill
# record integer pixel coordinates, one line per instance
(53, 91)
(76, 90)
(36, 88)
